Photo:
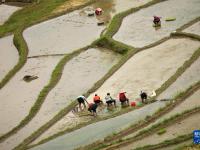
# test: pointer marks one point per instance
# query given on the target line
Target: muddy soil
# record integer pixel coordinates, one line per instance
(149, 69)
(99, 130)
(195, 29)
(137, 29)
(6, 11)
(187, 79)
(179, 128)
(18, 96)
(79, 75)
(8, 55)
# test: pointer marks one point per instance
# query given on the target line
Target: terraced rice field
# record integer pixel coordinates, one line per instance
(66, 62)
(99, 130)
(145, 72)
(137, 30)
(190, 103)
(12, 112)
(179, 128)
(69, 32)
(9, 55)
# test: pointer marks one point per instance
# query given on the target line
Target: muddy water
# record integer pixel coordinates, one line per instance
(71, 120)
(18, 96)
(8, 55)
(79, 75)
(183, 127)
(137, 29)
(190, 103)
(195, 29)
(149, 69)
(99, 130)
(69, 32)
(6, 11)
(188, 78)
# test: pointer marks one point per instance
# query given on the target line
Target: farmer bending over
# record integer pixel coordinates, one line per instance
(123, 99)
(92, 108)
(81, 100)
(97, 99)
(143, 96)
(110, 100)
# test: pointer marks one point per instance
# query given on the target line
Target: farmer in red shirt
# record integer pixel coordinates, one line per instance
(123, 99)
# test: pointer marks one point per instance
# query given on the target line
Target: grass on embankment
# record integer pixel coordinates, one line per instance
(34, 13)
(55, 77)
(167, 143)
(22, 48)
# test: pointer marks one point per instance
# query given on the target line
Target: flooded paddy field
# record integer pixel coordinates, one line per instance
(6, 11)
(131, 85)
(74, 30)
(8, 55)
(146, 70)
(79, 75)
(100, 129)
(187, 79)
(137, 29)
(149, 68)
(195, 29)
(18, 96)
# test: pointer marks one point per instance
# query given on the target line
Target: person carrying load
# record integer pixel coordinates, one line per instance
(110, 100)
(123, 99)
(97, 99)
(81, 100)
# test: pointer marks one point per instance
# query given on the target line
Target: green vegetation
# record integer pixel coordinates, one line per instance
(32, 14)
(161, 131)
(109, 43)
(36, 13)
(184, 34)
(22, 48)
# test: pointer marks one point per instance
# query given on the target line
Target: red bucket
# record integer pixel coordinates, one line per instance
(133, 104)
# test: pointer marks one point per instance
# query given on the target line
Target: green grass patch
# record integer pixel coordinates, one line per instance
(32, 14)
(161, 131)
(109, 43)
(22, 48)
